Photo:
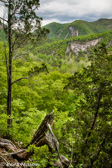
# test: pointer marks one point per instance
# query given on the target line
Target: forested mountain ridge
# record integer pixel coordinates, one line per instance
(79, 27)
(74, 47)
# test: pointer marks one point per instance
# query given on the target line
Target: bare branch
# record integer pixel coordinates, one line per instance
(4, 19)
(15, 153)
(19, 80)
(56, 144)
(4, 159)
(8, 145)
(7, 142)
(18, 56)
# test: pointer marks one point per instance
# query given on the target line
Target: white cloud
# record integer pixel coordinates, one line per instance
(45, 22)
(65, 10)
(3, 11)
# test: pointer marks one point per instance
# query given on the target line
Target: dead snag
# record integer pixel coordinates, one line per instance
(44, 136)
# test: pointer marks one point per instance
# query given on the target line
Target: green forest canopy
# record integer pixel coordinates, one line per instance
(81, 101)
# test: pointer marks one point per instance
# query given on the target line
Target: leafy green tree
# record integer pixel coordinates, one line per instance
(92, 126)
(20, 21)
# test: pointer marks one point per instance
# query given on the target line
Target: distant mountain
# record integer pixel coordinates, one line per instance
(74, 47)
(79, 27)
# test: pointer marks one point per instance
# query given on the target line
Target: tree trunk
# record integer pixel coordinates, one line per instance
(9, 77)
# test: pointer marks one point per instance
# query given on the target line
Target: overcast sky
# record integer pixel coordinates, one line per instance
(63, 11)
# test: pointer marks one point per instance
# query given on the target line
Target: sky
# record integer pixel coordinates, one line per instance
(65, 11)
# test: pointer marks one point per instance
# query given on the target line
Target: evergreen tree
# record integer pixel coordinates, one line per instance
(22, 26)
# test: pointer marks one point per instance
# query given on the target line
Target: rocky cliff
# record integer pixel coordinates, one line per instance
(78, 27)
(76, 47)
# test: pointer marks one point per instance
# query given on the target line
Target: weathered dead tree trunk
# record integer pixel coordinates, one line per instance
(43, 136)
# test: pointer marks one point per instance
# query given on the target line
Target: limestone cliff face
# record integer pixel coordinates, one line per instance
(73, 32)
(75, 47)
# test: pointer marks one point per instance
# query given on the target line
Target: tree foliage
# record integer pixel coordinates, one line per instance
(92, 121)
(79, 94)
(21, 20)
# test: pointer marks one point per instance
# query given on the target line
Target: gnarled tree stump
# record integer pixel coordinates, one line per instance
(43, 136)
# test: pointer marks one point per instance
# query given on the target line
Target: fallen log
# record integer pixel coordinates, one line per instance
(8, 145)
(43, 136)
